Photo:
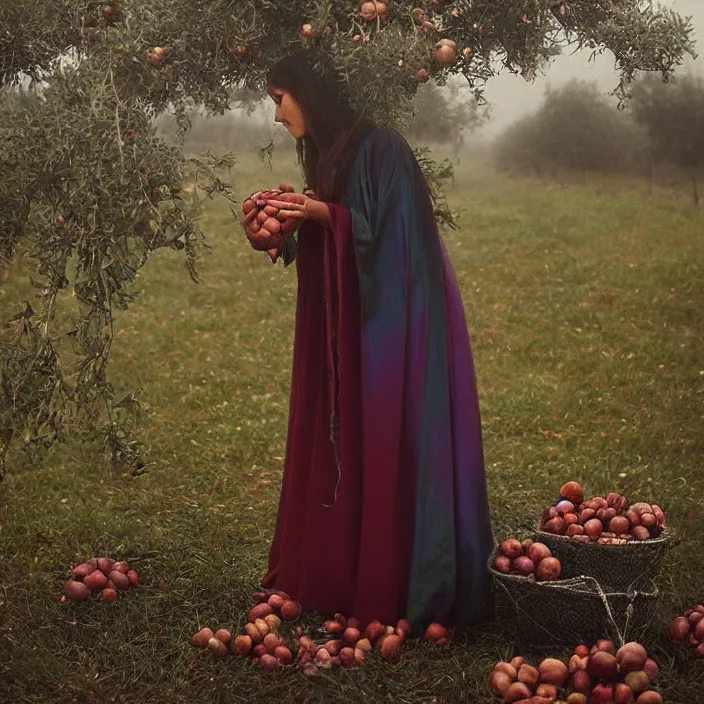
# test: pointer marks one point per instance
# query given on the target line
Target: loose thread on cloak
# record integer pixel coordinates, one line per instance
(338, 462)
(333, 380)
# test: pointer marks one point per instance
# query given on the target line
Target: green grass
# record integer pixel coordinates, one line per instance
(586, 311)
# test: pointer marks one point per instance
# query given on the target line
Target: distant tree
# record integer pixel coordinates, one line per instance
(575, 129)
(672, 114)
(517, 151)
(583, 131)
(444, 115)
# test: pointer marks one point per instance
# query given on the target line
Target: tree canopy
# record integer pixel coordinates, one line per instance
(88, 189)
(672, 116)
(575, 129)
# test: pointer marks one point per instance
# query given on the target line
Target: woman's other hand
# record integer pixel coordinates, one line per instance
(296, 207)
(274, 254)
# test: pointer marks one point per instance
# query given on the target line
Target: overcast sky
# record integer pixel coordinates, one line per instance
(511, 95)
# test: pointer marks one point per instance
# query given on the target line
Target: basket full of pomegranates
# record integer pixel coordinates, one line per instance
(540, 608)
(620, 544)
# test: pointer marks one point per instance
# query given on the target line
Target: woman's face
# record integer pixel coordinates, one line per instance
(288, 112)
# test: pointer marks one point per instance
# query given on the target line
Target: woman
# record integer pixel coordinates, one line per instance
(383, 511)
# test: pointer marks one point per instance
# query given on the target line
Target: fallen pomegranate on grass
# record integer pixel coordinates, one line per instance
(99, 575)
(602, 674)
(527, 559)
(607, 520)
(517, 680)
(339, 642)
(689, 629)
(437, 633)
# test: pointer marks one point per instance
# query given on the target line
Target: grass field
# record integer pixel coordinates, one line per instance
(586, 311)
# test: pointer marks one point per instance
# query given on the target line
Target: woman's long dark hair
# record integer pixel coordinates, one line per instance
(334, 133)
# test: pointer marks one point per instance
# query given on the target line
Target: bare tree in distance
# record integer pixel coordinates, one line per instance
(672, 114)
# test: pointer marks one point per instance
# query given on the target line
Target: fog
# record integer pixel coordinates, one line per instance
(511, 95)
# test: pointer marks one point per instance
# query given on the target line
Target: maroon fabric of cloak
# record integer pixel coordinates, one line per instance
(321, 554)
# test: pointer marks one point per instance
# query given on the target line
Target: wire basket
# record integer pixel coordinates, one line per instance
(561, 613)
(622, 568)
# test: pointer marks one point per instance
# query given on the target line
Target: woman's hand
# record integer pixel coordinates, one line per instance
(297, 206)
(260, 238)
(292, 210)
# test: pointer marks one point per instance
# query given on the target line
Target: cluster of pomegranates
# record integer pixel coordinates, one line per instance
(527, 558)
(371, 10)
(99, 575)
(607, 520)
(601, 674)
(341, 641)
(264, 618)
(272, 603)
(267, 217)
(606, 675)
(689, 629)
(517, 681)
(444, 51)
